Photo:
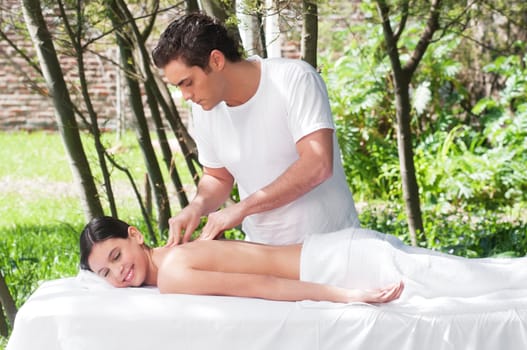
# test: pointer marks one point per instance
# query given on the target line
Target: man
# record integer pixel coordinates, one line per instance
(264, 124)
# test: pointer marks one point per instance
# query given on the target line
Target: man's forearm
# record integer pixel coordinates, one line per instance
(314, 166)
(211, 194)
(300, 178)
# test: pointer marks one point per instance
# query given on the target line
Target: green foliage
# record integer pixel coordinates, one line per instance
(471, 234)
(465, 167)
(357, 85)
(31, 254)
(470, 159)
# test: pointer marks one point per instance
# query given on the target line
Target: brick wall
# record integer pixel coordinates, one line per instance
(24, 107)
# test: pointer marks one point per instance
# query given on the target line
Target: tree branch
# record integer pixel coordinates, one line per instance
(426, 37)
(389, 37)
(402, 23)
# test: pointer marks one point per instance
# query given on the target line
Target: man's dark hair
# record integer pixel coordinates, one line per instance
(97, 230)
(192, 38)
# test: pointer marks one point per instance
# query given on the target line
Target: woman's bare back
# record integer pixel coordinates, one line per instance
(241, 257)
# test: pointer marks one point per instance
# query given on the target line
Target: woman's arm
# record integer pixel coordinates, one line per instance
(191, 281)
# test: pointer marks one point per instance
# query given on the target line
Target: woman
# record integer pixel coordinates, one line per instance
(345, 266)
(116, 251)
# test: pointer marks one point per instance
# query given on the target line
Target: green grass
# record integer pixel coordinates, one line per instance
(33, 155)
(33, 253)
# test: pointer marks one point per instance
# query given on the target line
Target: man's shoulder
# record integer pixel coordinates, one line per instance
(287, 71)
(287, 63)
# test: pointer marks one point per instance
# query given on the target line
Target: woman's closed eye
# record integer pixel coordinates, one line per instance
(114, 256)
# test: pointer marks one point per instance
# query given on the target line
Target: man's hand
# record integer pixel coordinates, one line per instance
(213, 190)
(182, 226)
(222, 220)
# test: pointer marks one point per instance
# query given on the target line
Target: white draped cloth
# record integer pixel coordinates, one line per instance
(362, 258)
(449, 303)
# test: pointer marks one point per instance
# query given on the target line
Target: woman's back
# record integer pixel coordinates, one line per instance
(238, 257)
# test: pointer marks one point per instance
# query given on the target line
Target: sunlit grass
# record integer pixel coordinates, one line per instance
(38, 210)
(33, 155)
(38, 181)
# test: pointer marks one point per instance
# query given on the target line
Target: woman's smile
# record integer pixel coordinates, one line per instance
(130, 275)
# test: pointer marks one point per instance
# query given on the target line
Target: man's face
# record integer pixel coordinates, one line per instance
(198, 86)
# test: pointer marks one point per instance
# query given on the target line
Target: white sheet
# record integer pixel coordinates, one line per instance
(86, 313)
(362, 258)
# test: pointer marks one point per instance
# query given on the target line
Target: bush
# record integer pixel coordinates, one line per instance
(472, 234)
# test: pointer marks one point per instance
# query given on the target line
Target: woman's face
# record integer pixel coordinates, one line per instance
(122, 262)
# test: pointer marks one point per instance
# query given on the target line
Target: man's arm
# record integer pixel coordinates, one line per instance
(213, 190)
(314, 166)
(193, 281)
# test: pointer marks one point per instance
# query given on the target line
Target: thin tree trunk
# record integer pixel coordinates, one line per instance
(273, 39)
(310, 32)
(223, 10)
(192, 6)
(76, 37)
(141, 126)
(402, 77)
(148, 195)
(406, 158)
(186, 142)
(4, 328)
(251, 28)
(64, 110)
(150, 87)
(144, 209)
(7, 302)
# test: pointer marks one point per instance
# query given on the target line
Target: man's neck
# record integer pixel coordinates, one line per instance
(243, 79)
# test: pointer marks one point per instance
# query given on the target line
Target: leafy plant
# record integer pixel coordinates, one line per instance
(473, 234)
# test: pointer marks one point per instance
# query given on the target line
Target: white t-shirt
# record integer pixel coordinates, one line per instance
(255, 142)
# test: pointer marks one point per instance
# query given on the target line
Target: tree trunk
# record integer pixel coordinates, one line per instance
(186, 142)
(4, 328)
(310, 32)
(223, 10)
(151, 95)
(406, 158)
(273, 39)
(402, 77)
(75, 38)
(251, 28)
(7, 302)
(64, 110)
(124, 43)
(192, 6)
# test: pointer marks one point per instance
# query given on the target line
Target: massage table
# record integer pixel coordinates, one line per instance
(85, 312)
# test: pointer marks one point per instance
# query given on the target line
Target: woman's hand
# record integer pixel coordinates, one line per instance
(380, 295)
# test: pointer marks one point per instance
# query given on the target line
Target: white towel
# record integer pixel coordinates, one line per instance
(361, 258)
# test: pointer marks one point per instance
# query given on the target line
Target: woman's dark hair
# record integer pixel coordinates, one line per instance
(97, 230)
(192, 38)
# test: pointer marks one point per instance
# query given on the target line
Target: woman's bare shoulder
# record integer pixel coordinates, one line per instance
(170, 263)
